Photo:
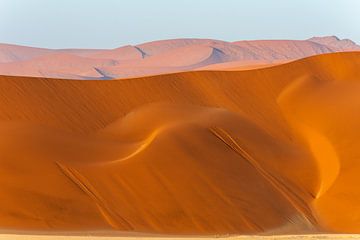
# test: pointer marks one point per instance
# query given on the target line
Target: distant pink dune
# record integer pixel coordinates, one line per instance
(161, 57)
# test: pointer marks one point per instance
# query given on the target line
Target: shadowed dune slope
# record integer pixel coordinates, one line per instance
(205, 152)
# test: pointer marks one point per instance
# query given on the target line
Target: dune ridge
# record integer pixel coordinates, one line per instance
(202, 152)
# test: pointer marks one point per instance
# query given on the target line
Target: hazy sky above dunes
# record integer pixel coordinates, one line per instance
(112, 23)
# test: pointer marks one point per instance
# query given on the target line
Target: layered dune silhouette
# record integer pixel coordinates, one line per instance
(264, 150)
(161, 57)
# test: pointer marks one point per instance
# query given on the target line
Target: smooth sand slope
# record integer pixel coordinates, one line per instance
(89, 237)
(161, 57)
(270, 150)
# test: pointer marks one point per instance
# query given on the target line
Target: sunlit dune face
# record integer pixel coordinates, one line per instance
(264, 150)
(326, 114)
(161, 168)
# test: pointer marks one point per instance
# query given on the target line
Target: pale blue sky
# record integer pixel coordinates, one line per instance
(111, 23)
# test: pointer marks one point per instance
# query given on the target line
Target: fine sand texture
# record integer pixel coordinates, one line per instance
(283, 237)
(271, 150)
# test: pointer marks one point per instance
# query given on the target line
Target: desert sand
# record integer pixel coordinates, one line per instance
(271, 150)
(283, 237)
(161, 57)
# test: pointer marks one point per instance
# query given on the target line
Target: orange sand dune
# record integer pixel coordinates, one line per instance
(264, 150)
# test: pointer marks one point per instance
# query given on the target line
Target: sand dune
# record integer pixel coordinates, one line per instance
(269, 150)
(91, 237)
(57, 65)
(119, 54)
(336, 44)
(14, 53)
(176, 60)
(161, 57)
(241, 65)
(284, 49)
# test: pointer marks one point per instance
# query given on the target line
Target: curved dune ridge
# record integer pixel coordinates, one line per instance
(262, 150)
